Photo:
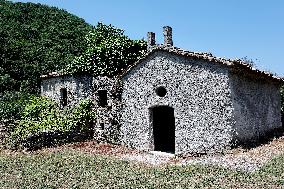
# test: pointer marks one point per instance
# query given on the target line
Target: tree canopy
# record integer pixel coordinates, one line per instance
(108, 52)
(36, 39)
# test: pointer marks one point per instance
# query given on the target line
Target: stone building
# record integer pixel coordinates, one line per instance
(176, 101)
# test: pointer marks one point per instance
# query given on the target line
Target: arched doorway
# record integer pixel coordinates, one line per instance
(163, 122)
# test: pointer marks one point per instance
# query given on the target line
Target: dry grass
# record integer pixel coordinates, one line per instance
(92, 165)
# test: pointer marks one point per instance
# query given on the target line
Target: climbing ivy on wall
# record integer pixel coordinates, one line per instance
(108, 52)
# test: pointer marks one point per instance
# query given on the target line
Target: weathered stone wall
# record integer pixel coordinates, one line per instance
(78, 88)
(106, 124)
(199, 93)
(107, 127)
(213, 106)
(256, 107)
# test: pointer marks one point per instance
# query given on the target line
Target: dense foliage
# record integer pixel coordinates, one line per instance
(11, 104)
(36, 39)
(44, 115)
(108, 52)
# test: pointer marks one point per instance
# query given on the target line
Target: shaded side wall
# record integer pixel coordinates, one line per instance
(197, 90)
(106, 128)
(78, 88)
(257, 107)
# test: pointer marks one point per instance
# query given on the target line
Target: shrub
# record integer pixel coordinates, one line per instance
(42, 115)
(12, 104)
(83, 116)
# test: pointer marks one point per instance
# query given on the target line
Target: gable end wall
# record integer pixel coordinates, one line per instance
(197, 90)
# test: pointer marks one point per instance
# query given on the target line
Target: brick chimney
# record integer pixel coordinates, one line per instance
(168, 38)
(151, 39)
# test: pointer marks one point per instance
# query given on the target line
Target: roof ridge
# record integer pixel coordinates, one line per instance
(205, 56)
(237, 63)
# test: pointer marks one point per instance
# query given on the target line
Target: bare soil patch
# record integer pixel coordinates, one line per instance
(240, 158)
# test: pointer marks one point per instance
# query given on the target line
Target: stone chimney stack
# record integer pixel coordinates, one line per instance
(151, 39)
(168, 38)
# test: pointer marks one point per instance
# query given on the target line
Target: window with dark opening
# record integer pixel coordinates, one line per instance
(161, 91)
(102, 100)
(63, 97)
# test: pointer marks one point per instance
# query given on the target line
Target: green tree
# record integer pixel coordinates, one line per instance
(108, 52)
(36, 39)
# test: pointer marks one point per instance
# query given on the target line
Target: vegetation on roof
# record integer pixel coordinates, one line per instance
(108, 52)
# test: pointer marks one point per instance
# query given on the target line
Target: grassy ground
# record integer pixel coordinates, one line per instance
(74, 169)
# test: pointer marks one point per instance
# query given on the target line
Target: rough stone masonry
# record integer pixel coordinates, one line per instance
(177, 101)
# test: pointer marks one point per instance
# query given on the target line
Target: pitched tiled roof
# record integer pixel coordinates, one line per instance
(237, 65)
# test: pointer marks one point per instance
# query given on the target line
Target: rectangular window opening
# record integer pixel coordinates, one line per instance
(102, 98)
(63, 97)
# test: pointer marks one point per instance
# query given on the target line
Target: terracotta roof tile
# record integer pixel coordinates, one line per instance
(237, 64)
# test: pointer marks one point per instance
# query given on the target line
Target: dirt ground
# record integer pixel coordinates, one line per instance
(239, 158)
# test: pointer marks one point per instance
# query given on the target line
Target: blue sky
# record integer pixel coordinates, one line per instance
(226, 28)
